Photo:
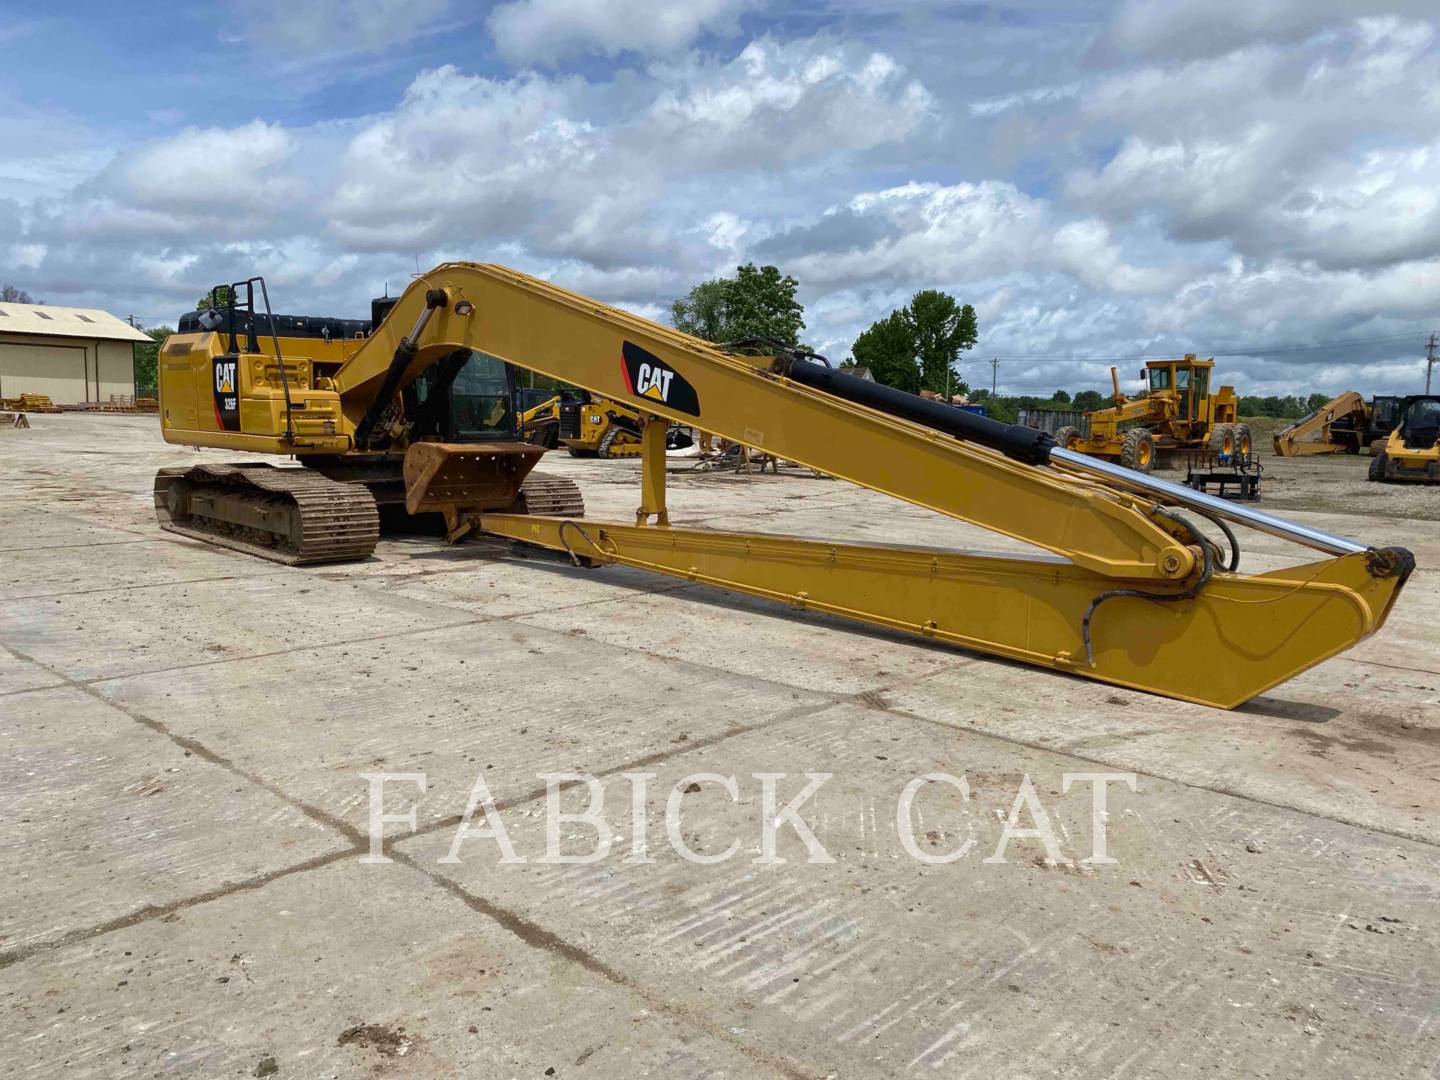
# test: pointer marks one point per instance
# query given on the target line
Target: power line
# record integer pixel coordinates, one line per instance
(1273, 350)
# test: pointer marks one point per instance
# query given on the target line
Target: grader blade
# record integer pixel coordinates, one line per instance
(460, 480)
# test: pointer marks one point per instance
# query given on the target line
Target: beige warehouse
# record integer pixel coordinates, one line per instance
(74, 355)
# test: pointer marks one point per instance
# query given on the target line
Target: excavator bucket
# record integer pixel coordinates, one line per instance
(460, 480)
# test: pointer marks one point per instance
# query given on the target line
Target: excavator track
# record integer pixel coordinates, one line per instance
(291, 516)
(549, 496)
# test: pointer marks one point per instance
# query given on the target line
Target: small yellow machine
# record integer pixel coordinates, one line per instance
(540, 414)
(1339, 426)
(1412, 452)
(1177, 411)
(597, 427)
(1121, 585)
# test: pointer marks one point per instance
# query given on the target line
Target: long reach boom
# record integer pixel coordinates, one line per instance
(1125, 588)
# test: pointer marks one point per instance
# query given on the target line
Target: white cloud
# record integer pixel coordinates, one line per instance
(777, 105)
(212, 170)
(949, 234)
(1193, 28)
(548, 31)
(328, 26)
(541, 160)
(1325, 151)
(1275, 182)
(459, 152)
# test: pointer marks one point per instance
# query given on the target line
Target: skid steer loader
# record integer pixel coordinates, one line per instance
(1412, 451)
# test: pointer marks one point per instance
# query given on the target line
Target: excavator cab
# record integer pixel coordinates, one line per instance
(1186, 382)
(478, 405)
(1421, 425)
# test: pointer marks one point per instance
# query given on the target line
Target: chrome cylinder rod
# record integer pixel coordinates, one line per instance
(1180, 495)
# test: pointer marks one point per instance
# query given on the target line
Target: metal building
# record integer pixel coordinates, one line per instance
(74, 355)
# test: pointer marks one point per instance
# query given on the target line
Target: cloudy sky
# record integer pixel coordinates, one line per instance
(1100, 179)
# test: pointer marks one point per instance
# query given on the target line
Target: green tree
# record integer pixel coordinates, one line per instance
(756, 302)
(1061, 397)
(1314, 402)
(704, 311)
(206, 302)
(1002, 408)
(147, 358)
(9, 294)
(917, 346)
(888, 350)
(1088, 400)
(942, 330)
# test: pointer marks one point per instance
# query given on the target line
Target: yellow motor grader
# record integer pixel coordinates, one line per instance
(1120, 583)
(1177, 411)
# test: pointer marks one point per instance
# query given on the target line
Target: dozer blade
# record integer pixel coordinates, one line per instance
(460, 480)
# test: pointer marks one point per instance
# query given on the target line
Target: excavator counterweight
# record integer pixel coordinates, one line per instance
(1125, 586)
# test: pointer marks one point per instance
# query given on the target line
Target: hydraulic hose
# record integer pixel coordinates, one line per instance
(1023, 444)
(1207, 569)
(1034, 447)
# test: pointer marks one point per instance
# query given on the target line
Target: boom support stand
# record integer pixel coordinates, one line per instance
(652, 473)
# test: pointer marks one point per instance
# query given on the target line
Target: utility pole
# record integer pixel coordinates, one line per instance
(994, 375)
(1429, 361)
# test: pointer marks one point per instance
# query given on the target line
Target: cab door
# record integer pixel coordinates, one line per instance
(1184, 393)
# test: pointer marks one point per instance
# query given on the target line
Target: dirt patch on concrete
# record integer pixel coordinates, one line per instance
(388, 1042)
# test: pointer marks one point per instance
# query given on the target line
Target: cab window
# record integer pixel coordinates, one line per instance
(1182, 378)
(480, 401)
(1159, 378)
(480, 405)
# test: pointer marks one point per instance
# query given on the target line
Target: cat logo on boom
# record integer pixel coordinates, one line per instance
(647, 376)
(227, 398)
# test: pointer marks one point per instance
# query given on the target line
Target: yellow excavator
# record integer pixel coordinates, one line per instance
(1124, 586)
(1178, 410)
(1340, 426)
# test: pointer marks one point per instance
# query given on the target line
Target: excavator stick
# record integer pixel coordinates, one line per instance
(459, 480)
(1211, 648)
